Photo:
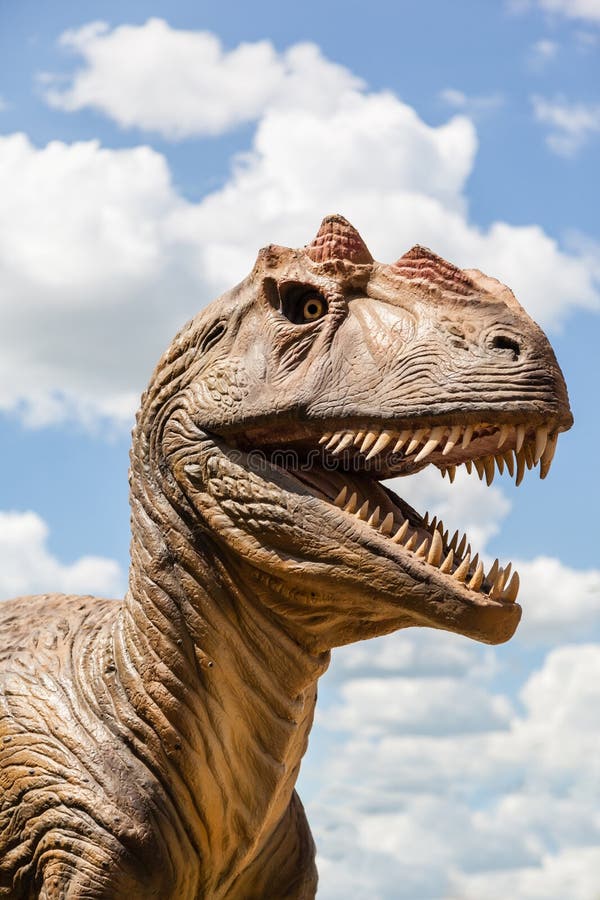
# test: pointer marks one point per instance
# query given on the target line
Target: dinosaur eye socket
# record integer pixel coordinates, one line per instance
(313, 308)
(301, 303)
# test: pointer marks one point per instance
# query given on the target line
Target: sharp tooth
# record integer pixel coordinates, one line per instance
(469, 465)
(490, 469)
(520, 437)
(548, 455)
(509, 459)
(363, 511)
(345, 442)
(434, 557)
(453, 437)
(504, 432)
(541, 439)
(333, 440)
(511, 592)
(374, 520)
(491, 575)
(387, 524)
(475, 561)
(452, 473)
(507, 572)
(359, 437)
(434, 439)
(480, 466)
(341, 497)
(325, 437)
(461, 573)
(496, 591)
(422, 549)
(426, 520)
(454, 540)
(528, 450)
(461, 547)
(500, 462)
(401, 533)
(467, 436)
(444, 472)
(417, 438)
(520, 467)
(477, 579)
(404, 436)
(352, 503)
(370, 438)
(381, 443)
(411, 541)
(446, 566)
(433, 524)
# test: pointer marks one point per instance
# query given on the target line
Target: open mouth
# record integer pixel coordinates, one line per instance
(352, 460)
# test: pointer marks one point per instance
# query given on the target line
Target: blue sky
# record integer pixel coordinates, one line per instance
(141, 168)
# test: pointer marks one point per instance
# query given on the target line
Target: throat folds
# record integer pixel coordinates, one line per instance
(225, 695)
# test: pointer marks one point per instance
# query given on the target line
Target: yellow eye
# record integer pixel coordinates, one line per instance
(314, 308)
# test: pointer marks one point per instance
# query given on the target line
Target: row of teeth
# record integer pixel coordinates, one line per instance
(461, 567)
(421, 442)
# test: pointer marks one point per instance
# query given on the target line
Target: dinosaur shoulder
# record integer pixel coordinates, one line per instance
(46, 621)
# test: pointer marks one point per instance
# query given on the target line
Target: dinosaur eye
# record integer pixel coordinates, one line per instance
(313, 308)
(301, 303)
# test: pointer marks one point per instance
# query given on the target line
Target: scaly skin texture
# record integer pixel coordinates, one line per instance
(150, 747)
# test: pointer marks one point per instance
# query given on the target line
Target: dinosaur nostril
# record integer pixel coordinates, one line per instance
(502, 342)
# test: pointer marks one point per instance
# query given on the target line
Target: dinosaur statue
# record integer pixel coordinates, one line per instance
(149, 747)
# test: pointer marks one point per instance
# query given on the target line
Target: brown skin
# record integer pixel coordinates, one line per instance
(150, 747)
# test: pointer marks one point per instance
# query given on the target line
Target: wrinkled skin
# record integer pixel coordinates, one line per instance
(150, 747)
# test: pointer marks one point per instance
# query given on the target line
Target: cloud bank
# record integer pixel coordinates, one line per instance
(28, 567)
(442, 787)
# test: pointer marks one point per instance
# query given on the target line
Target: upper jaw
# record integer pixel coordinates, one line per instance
(387, 448)
(404, 449)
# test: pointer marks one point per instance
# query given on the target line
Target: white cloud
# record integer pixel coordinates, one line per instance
(423, 653)
(542, 53)
(559, 603)
(102, 259)
(28, 567)
(571, 124)
(183, 83)
(84, 261)
(572, 873)
(460, 812)
(471, 105)
(383, 706)
(588, 10)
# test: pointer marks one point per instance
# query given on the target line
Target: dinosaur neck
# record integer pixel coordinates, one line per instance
(223, 696)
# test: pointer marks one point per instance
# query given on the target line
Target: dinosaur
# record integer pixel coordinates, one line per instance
(149, 747)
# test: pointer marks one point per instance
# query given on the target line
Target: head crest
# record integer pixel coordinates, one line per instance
(421, 265)
(337, 239)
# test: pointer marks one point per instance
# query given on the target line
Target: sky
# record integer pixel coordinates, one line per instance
(147, 151)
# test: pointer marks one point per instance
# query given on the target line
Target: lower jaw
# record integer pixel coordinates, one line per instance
(426, 540)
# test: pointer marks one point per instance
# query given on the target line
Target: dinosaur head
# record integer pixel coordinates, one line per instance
(280, 409)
